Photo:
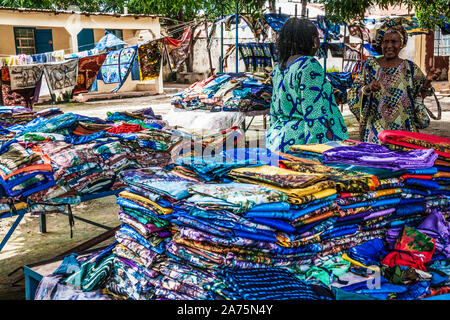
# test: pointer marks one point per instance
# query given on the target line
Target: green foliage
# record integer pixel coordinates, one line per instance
(182, 10)
(428, 12)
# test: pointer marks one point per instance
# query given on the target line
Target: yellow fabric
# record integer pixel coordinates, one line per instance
(272, 170)
(313, 147)
(442, 174)
(58, 55)
(359, 264)
(131, 196)
(285, 242)
(12, 61)
(19, 206)
(293, 193)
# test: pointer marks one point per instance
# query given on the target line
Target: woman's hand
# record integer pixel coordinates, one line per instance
(374, 86)
(433, 74)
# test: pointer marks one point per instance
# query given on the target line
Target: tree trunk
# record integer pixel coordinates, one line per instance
(272, 8)
(304, 3)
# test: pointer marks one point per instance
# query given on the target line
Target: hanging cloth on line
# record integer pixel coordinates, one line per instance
(149, 57)
(25, 76)
(117, 66)
(88, 68)
(61, 79)
(178, 49)
(22, 97)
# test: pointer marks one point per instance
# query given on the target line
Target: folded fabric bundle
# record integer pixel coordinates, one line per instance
(257, 284)
(377, 156)
(416, 140)
(227, 92)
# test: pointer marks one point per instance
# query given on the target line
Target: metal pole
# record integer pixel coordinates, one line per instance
(279, 10)
(296, 10)
(221, 40)
(237, 36)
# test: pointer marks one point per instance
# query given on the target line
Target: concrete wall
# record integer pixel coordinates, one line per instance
(7, 46)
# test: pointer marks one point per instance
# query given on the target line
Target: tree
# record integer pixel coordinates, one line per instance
(429, 13)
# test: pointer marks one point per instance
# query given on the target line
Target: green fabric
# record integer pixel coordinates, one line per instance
(325, 271)
(92, 275)
(346, 295)
(303, 109)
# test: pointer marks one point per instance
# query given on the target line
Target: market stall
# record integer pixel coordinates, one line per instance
(319, 223)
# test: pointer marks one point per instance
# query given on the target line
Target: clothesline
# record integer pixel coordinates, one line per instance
(126, 40)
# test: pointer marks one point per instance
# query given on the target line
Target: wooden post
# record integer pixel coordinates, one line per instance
(211, 70)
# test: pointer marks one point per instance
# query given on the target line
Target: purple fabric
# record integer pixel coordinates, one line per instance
(376, 156)
(379, 213)
(148, 272)
(434, 226)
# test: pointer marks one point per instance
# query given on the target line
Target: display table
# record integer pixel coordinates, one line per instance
(213, 121)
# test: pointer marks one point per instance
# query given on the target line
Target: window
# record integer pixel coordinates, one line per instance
(25, 40)
(441, 43)
(119, 34)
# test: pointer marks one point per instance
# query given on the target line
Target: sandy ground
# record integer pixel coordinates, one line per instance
(27, 245)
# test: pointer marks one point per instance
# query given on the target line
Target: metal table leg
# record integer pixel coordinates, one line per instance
(11, 230)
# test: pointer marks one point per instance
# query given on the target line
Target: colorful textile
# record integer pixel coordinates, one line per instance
(277, 176)
(376, 156)
(245, 195)
(159, 181)
(150, 58)
(117, 66)
(88, 68)
(108, 41)
(25, 76)
(178, 49)
(259, 284)
(416, 140)
(61, 79)
(303, 111)
(256, 56)
(276, 20)
(412, 249)
(397, 106)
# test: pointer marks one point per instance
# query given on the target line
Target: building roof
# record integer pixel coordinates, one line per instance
(112, 14)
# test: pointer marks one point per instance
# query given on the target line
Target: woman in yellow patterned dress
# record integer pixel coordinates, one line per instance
(388, 92)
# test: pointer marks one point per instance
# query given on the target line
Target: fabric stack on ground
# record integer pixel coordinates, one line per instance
(227, 92)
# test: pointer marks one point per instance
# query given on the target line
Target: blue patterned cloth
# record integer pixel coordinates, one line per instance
(264, 284)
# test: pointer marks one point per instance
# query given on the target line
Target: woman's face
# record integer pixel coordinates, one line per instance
(391, 45)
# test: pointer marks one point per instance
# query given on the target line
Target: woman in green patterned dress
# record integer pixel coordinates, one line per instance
(303, 109)
(388, 92)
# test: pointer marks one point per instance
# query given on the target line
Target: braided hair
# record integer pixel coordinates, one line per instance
(295, 37)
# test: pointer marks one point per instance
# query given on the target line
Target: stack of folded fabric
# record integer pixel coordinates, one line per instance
(10, 116)
(23, 171)
(143, 117)
(86, 154)
(182, 238)
(227, 92)
(206, 228)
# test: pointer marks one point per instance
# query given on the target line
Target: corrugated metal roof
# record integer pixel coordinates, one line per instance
(83, 12)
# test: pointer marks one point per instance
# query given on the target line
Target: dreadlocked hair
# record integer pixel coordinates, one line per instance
(295, 37)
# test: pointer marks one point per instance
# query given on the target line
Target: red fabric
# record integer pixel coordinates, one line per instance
(417, 176)
(175, 42)
(408, 250)
(438, 291)
(400, 138)
(126, 128)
